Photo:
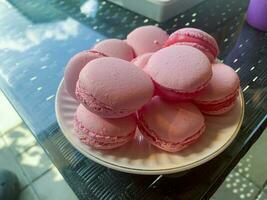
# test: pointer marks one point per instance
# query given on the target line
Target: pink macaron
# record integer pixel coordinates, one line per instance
(74, 66)
(179, 72)
(103, 133)
(220, 95)
(142, 60)
(115, 48)
(113, 88)
(147, 39)
(171, 126)
(195, 38)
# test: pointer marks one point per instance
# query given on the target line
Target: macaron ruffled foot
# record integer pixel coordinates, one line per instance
(102, 133)
(171, 126)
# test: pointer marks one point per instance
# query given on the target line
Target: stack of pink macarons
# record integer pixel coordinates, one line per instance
(159, 83)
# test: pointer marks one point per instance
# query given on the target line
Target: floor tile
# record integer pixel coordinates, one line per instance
(236, 187)
(34, 162)
(262, 196)
(254, 164)
(8, 161)
(19, 139)
(10, 119)
(53, 181)
(28, 194)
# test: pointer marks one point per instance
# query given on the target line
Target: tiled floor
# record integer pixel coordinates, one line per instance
(20, 153)
(248, 180)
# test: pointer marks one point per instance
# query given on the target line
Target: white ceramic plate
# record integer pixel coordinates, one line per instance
(139, 157)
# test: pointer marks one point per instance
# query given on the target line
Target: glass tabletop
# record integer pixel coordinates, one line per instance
(37, 39)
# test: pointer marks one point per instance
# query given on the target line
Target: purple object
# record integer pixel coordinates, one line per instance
(257, 14)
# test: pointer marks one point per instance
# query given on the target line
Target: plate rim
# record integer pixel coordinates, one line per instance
(146, 171)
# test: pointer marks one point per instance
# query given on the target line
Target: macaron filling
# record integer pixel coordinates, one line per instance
(97, 140)
(173, 94)
(170, 146)
(94, 105)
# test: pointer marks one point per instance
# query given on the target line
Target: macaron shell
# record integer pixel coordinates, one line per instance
(181, 68)
(115, 48)
(205, 50)
(196, 38)
(117, 84)
(146, 39)
(74, 66)
(104, 126)
(200, 34)
(142, 60)
(223, 83)
(173, 122)
(197, 34)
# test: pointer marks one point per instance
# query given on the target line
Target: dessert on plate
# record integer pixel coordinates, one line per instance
(113, 88)
(170, 82)
(170, 126)
(75, 65)
(221, 93)
(115, 48)
(179, 72)
(146, 39)
(195, 38)
(142, 60)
